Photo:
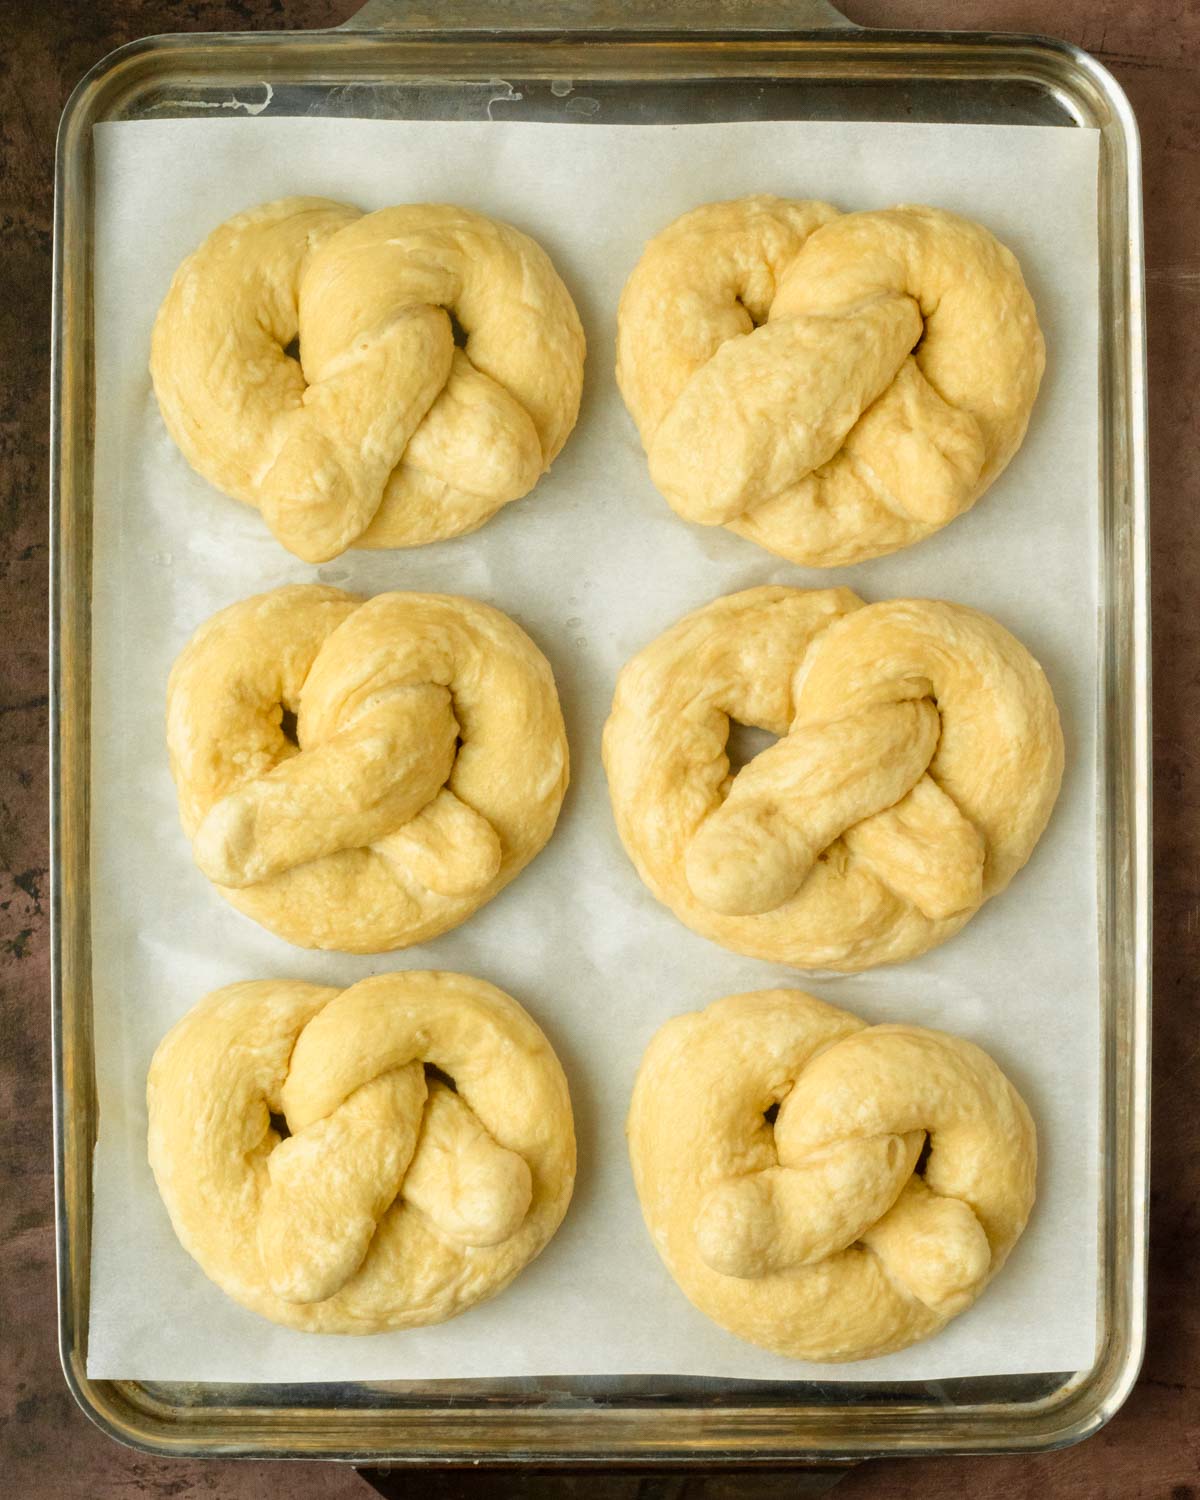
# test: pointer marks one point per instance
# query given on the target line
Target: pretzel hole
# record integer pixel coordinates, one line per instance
(750, 313)
(919, 1168)
(292, 350)
(433, 1072)
(287, 726)
(744, 743)
(456, 328)
(771, 1113)
(280, 1126)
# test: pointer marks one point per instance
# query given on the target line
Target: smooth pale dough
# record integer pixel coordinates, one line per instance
(382, 433)
(429, 767)
(919, 759)
(814, 1237)
(832, 386)
(395, 1201)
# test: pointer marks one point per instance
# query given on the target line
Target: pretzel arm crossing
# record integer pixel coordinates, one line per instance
(757, 849)
(372, 777)
(770, 408)
(329, 1186)
(792, 1216)
(332, 1183)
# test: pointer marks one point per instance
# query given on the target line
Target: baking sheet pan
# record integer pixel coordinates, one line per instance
(821, 1395)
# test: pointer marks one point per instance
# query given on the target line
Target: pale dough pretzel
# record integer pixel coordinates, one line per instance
(381, 433)
(919, 761)
(814, 1237)
(831, 386)
(395, 1200)
(428, 767)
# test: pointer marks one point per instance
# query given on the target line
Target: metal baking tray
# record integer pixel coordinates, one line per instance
(675, 60)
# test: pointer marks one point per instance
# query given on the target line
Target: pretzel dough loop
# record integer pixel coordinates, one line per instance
(815, 1237)
(831, 386)
(394, 1200)
(919, 758)
(429, 766)
(382, 433)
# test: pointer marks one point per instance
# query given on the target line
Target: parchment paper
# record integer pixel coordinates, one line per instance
(593, 564)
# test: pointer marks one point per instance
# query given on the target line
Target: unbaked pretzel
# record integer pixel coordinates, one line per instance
(919, 760)
(831, 386)
(395, 1200)
(428, 765)
(380, 433)
(815, 1236)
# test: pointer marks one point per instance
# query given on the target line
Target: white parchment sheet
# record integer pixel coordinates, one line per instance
(593, 564)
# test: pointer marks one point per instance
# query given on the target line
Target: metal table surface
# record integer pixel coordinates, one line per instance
(47, 1447)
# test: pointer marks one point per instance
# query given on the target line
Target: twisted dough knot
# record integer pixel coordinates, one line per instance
(381, 433)
(428, 768)
(395, 1200)
(831, 386)
(920, 759)
(813, 1237)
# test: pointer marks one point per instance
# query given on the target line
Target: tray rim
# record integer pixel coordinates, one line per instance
(507, 1436)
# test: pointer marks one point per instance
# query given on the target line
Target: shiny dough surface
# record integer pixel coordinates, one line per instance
(919, 759)
(831, 386)
(815, 1236)
(382, 432)
(427, 766)
(395, 1200)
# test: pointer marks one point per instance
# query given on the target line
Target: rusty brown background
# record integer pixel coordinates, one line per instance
(47, 1447)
